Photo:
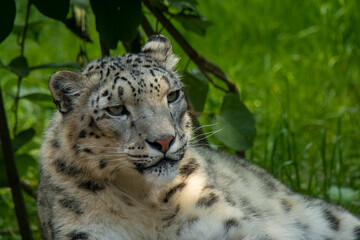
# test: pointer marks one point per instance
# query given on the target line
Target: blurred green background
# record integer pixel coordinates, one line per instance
(296, 64)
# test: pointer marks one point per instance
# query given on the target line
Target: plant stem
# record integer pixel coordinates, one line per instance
(104, 49)
(12, 174)
(22, 47)
(25, 29)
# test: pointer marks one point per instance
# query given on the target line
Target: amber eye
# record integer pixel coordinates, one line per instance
(173, 96)
(117, 110)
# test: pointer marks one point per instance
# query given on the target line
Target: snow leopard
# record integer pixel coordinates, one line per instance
(117, 163)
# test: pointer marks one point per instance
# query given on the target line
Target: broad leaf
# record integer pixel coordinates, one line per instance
(7, 17)
(22, 138)
(41, 99)
(196, 89)
(117, 20)
(19, 66)
(237, 124)
(23, 162)
(57, 9)
(193, 23)
(33, 29)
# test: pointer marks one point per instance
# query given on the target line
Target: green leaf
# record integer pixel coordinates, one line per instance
(196, 89)
(236, 124)
(23, 162)
(117, 20)
(34, 29)
(19, 66)
(40, 99)
(7, 17)
(193, 23)
(22, 138)
(57, 9)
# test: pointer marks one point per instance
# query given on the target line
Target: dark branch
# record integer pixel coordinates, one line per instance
(104, 49)
(147, 27)
(12, 174)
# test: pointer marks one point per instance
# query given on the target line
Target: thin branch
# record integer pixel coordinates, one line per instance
(212, 81)
(16, 104)
(104, 49)
(22, 47)
(25, 28)
(28, 189)
(199, 60)
(12, 174)
(146, 26)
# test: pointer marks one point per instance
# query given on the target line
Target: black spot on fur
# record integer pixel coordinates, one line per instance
(152, 73)
(105, 93)
(83, 134)
(357, 233)
(188, 168)
(169, 219)
(120, 91)
(76, 235)
(286, 205)
(88, 150)
(91, 186)
(55, 144)
(334, 222)
(207, 201)
(173, 190)
(92, 122)
(124, 78)
(108, 72)
(72, 205)
(230, 223)
(102, 163)
(62, 167)
(187, 224)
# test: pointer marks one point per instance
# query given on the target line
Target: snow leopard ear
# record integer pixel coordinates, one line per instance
(65, 87)
(159, 48)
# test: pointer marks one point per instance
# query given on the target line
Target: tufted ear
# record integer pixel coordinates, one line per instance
(159, 48)
(65, 87)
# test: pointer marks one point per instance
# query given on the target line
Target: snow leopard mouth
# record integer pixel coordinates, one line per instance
(164, 164)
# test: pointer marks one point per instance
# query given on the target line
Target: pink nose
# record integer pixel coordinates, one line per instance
(164, 143)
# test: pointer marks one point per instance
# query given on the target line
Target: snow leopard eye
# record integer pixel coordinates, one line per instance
(173, 96)
(117, 110)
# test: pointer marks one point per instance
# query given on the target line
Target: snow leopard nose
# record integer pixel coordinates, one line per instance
(162, 145)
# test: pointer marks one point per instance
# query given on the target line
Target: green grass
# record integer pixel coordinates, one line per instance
(296, 64)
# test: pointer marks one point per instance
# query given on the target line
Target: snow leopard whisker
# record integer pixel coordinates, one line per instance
(196, 140)
(203, 126)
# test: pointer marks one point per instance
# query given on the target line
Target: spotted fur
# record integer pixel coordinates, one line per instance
(117, 164)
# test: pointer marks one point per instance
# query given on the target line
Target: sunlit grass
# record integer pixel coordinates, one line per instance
(296, 63)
